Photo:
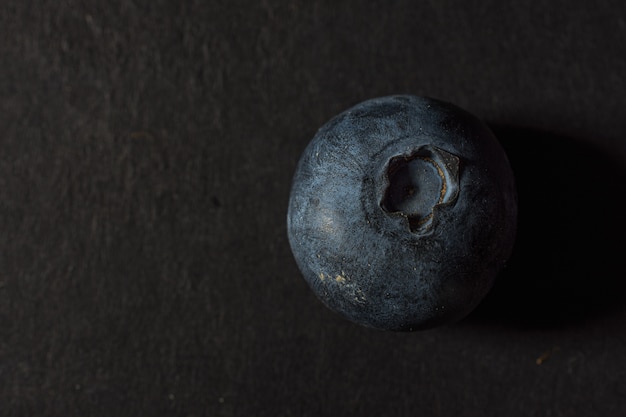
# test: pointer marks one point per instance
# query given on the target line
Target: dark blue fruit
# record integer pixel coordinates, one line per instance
(402, 212)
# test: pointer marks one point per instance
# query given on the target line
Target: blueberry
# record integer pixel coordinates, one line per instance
(402, 212)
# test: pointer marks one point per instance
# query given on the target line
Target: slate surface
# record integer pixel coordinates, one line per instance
(146, 153)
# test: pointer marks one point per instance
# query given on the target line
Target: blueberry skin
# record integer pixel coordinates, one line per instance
(402, 212)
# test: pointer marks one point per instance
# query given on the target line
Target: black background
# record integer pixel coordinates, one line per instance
(146, 154)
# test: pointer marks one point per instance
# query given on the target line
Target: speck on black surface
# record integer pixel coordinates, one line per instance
(146, 154)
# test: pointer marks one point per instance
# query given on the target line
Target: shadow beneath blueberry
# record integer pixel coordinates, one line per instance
(569, 260)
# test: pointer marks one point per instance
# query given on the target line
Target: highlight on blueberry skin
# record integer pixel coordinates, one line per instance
(402, 212)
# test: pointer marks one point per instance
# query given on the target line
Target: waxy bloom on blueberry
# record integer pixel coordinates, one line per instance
(402, 212)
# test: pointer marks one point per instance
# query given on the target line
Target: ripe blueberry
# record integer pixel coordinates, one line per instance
(402, 211)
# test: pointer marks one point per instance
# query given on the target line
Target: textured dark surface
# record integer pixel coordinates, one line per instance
(146, 153)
